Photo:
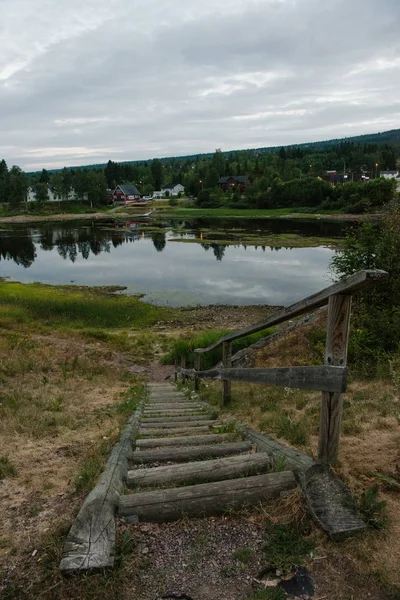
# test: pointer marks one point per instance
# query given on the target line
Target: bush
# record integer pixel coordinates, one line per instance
(376, 313)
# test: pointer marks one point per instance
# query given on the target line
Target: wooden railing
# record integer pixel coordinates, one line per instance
(329, 378)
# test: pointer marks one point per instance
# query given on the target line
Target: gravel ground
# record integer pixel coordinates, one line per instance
(195, 559)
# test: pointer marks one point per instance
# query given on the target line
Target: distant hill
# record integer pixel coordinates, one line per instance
(391, 137)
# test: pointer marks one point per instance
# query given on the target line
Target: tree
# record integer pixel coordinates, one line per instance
(18, 186)
(157, 173)
(44, 177)
(41, 192)
(4, 181)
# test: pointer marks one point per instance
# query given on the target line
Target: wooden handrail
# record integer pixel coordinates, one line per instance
(348, 286)
(330, 378)
(320, 378)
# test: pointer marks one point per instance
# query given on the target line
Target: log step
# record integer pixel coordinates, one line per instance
(146, 432)
(192, 440)
(176, 405)
(199, 472)
(205, 499)
(179, 454)
(203, 419)
(168, 424)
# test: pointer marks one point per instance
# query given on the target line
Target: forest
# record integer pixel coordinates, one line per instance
(291, 176)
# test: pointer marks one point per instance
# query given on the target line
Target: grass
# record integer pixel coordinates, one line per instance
(243, 555)
(7, 469)
(286, 547)
(274, 593)
(185, 346)
(249, 213)
(63, 307)
(51, 208)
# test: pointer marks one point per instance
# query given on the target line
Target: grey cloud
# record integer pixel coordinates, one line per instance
(151, 79)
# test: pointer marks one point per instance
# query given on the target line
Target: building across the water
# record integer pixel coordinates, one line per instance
(126, 194)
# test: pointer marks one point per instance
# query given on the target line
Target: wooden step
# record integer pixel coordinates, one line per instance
(173, 412)
(178, 419)
(219, 469)
(179, 454)
(205, 499)
(171, 424)
(175, 405)
(145, 433)
(191, 440)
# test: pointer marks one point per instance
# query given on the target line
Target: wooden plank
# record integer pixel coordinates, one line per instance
(219, 469)
(331, 503)
(290, 457)
(90, 543)
(187, 454)
(350, 285)
(227, 363)
(145, 433)
(175, 405)
(177, 412)
(188, 421)
(337, 339)
(330, 378)
(205, 499)
(191, 440)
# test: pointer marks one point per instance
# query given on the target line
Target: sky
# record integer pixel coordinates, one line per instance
(84, 82)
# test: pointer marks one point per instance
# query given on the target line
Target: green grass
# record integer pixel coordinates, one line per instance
(7, 469)
(247, 213)
(286, 548)
(51, 208)
(185, 347)
(273, 593)
(243, 555)
(35, 303)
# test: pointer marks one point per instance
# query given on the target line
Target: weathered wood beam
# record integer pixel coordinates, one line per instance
(329, 378)
(218, 469)
(349, 286)
(205, 499)
(190, 440)
(90, 543)
(337, 339)
(188, 421)
(173, 431)
(290, 457)
(187, 454)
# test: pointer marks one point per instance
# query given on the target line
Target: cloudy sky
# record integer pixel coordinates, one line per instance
(85, 81)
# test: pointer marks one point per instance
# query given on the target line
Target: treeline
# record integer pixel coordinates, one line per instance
(308, 192)
(286, 177)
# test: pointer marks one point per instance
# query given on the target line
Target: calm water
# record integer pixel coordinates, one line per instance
(166, 272)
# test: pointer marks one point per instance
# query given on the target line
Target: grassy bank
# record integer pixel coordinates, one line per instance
(37, 305)
(51, 208)
(232, 213)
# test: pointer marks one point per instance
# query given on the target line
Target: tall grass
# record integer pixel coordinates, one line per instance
(185, 347)
(57, 307)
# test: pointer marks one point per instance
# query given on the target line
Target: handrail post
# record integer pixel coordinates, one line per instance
(176, 369)
(226, 363)
(337, 339)
(197, 367)
(183, 366)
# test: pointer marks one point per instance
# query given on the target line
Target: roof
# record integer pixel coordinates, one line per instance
(129, 190)
(390, 172)
(170, 186)
(238, 178)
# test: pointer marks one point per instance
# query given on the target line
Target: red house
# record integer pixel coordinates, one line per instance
(126, 194)
(232, 182)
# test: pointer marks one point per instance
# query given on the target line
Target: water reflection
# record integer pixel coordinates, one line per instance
(136, 255)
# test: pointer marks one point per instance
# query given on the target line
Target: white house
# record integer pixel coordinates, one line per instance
(51, 197)
(158, 194)
(173, 189)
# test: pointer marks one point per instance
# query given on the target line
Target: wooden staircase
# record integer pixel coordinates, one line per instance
(208, 472)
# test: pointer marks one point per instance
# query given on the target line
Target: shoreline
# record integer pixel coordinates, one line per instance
(188, 214)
